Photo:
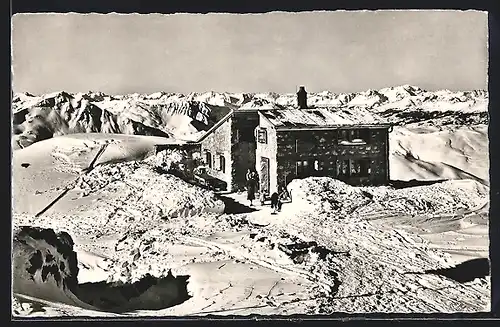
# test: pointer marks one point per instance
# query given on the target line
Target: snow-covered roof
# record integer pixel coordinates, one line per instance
(320, 117)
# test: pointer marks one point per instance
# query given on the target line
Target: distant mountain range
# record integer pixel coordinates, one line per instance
(187, 116)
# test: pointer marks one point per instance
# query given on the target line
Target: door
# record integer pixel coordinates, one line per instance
(264, 175)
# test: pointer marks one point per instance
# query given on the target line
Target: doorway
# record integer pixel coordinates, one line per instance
(265, 183)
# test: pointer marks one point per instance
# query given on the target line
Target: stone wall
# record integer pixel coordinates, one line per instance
(218, 143)
(322, 145)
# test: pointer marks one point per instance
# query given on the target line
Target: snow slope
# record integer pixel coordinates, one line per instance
(429, 153)
(128, 222)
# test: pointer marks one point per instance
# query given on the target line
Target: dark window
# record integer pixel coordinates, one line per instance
(302, 169)
(361, 136)
(343, 168)
(262, 135)
(343, 135)
(318, 165)
(208, 159)
(361, 168)
(222, 163)
(354, 168)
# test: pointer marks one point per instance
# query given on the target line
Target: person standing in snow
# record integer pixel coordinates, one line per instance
(251, 186)
(274, 202)
(277, 199)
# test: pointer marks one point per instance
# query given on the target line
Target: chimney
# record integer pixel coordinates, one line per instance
(302, 98)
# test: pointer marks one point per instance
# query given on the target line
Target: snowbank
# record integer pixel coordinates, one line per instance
(325, 194)
(158, 195)
(42, 170)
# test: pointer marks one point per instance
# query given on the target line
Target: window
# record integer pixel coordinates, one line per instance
(360, 168)
(222, 163)
(354, 168)
(309, 167)
(319, 165)
(343, 135)
(343, 168)
(353, 136)
(208, 159)
(262, 135)
(302, 168)
(316, 165)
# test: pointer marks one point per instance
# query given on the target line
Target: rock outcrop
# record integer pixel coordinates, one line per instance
(44, 264)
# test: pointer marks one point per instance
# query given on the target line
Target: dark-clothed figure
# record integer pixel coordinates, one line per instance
(275, 202)
(277, 198)
(251, 186)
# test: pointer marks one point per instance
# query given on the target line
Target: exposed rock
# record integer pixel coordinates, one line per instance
(43, 260)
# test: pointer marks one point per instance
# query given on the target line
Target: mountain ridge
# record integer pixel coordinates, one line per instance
(187, 116)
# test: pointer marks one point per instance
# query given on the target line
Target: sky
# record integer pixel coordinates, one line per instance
(273, 52)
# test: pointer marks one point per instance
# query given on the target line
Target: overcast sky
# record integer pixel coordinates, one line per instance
(336, 51)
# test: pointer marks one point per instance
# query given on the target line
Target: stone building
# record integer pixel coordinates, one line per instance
(298, 143)
(283, 144)
(229, 147)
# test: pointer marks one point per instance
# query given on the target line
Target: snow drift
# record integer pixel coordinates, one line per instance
(164, 194)
(324, 194)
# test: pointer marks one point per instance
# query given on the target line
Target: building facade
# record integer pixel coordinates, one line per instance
(229, 148)
(354, 153)
(284, 144)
